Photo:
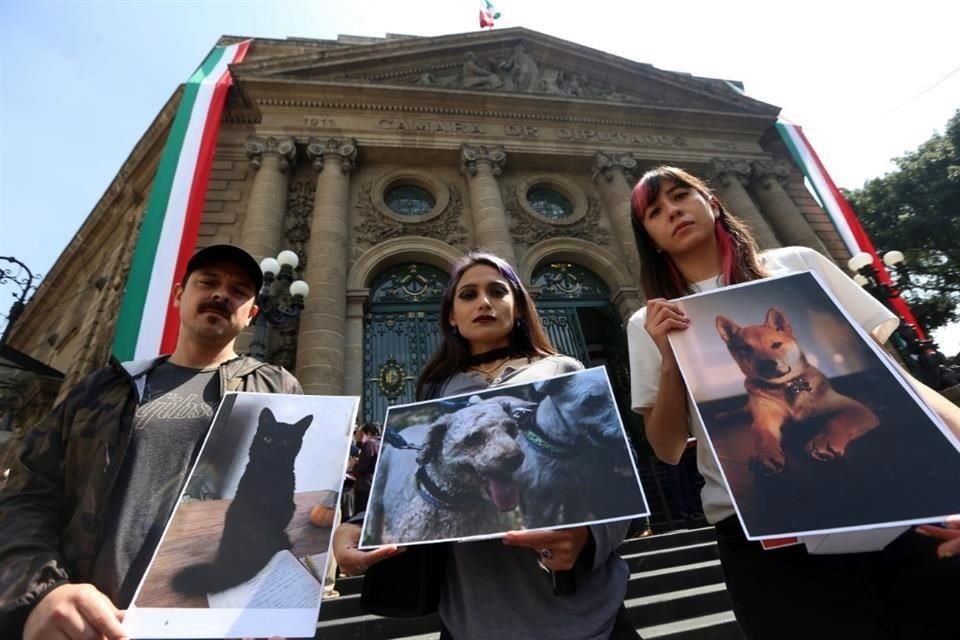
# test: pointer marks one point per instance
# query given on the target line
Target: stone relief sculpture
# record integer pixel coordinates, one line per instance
(296, 224)
(477, 75)
(523, 72)
(520, 72)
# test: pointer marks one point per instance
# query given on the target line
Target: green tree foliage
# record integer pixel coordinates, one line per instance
(916, 209)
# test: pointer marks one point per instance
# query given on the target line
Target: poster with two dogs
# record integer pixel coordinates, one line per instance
(545, 454)
(244, 553)
(815, 429)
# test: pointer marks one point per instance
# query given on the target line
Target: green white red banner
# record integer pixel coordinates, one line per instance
(148, 322)
(841, 213)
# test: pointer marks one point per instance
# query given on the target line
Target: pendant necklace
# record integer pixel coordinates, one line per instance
(491, 374)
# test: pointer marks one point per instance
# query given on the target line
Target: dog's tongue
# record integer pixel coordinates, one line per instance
(504, 494)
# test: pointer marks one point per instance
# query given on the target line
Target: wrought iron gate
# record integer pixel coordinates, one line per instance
(400, 333)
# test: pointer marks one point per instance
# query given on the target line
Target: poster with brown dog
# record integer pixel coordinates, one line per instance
(546, 454)
(815, 429)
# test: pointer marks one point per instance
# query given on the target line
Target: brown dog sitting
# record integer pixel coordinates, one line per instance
(782, 387)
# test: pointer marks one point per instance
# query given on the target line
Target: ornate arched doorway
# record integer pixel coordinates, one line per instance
(400, 333)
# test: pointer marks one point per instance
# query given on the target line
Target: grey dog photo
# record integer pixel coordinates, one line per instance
(545, 454)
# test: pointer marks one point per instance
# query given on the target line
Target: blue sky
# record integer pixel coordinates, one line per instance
(80, 81)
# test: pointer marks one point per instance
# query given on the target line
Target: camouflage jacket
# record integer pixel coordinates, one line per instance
(52, 507)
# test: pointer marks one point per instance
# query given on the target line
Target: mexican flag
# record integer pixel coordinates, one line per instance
(148, 323)
(488, 15)
(841, 213)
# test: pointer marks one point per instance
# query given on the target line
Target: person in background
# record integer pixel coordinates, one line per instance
(363, 469)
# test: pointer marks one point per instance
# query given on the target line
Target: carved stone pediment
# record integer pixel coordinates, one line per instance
(510, 61)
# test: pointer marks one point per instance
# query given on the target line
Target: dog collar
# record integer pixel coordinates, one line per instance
(792, 387)
(539, 441)
(440, 499)
(797, 385)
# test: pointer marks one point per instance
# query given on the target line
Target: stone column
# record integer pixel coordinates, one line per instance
(784, 216)
(481, 165)
(353, 342)
(271, 158)
(731, 177)
(320, 343)
(610, 171)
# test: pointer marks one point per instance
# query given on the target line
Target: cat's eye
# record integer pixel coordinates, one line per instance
(776, 345)
(267, 439)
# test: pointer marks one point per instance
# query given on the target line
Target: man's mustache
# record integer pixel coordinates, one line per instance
(216, 306)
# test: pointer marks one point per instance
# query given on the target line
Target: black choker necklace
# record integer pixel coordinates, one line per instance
(492, 356)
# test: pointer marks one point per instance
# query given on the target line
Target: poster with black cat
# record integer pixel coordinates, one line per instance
(245, 551)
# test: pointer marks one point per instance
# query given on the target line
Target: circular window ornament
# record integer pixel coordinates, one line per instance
(409, 200)
(549, 202)
(552, 199)
(409, 196)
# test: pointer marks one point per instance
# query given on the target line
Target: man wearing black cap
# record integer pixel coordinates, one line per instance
(95, 482)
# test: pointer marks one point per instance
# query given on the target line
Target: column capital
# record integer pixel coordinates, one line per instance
(343, 150)
(471, 155)
(284, 147)
(726, 170)
(766, 170)
(604, 163)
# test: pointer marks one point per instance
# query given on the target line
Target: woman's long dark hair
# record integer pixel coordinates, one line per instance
(528, 337)
(659, 276)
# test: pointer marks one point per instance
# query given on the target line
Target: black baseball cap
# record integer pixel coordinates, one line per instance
(226, 253)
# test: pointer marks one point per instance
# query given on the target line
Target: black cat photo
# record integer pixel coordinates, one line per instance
(255, 522)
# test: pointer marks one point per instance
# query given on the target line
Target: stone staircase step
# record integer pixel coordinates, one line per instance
(678, 556)
(700, 574)
(368, 627)
(714, 626)
(662, 608)
(680, 537)
(346, 606)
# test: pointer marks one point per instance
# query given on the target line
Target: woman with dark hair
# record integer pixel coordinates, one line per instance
(688, 242)
(492, 335)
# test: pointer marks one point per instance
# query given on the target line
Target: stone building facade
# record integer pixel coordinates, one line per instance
(380, 161)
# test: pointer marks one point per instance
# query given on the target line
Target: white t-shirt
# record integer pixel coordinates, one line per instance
(645, 359)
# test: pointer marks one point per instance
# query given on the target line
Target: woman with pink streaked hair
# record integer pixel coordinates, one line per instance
(688, 243)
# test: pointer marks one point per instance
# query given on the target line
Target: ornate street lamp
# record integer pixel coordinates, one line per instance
(280, 300)
(921, 355)
(23, 278)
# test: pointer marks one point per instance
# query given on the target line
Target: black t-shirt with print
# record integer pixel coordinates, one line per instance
(168, 429)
